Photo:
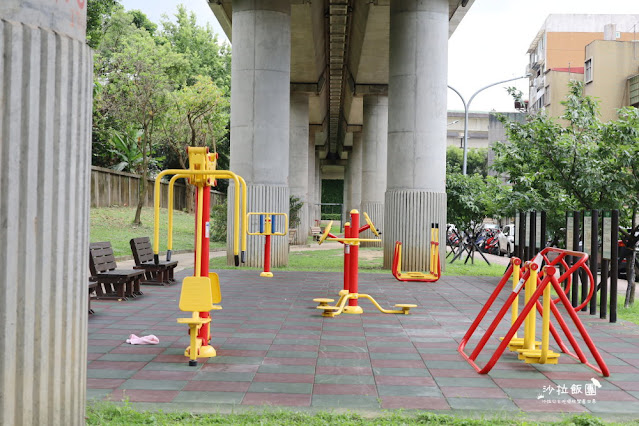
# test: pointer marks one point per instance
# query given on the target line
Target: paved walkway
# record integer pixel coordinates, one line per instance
(274, 348)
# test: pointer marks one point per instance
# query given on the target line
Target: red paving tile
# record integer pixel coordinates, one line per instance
(404, 381)
(344, 355)
(170, 358)
(623, 369)
(535, 405)
(284, 378)
(284, 399)
(392, 350)
(414, 403)
(627, 386)
(440, 357)
(237, 340)
(340, 389)
(93, 356)
(139, 395)
(104, 383)
(389, 339)
(215, 386)
(105, 342)
(571, 375)
(464, 392)
(604, 395)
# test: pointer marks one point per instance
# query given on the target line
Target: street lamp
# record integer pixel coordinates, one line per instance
(467, 107)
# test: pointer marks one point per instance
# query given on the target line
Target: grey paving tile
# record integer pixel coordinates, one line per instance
(339, 362)
(384, 355)
(127, 357)
(390, 390)
(154, 384)
(224, 376)
(172, 366)
(291, 354)
(492, 404)
(97, 394)
(99, 373)
(403, 372)
(209, 397)
(287, 369)
(271, 387)
(252, 360)
(476, 382)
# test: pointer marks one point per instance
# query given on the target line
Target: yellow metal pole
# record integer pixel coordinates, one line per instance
(545, 328)
(531, 286)
(515, 305)
(198, 238)
(169, 244)
(244, 213)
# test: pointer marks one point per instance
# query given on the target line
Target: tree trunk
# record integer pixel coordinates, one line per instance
(630, 265)
(143, 182)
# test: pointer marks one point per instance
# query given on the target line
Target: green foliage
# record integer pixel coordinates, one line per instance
(294, 205)
(331, 216)
(476, 160)
(332, 192)
(579, 167)
(98, 13)
(218, 222)
(471, 198)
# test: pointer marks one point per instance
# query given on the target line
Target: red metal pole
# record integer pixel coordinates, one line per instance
(354, 257)
(347, 258)
(267, 254)
(204, 333)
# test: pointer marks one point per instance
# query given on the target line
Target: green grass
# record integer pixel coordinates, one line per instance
(108, 413)
(115, 224)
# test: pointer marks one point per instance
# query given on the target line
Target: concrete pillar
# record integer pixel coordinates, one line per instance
(374, 157)
(355, 163)
(46, 83)
(298, 162)
(260, 104)
(312, 185)
(347, 189)
(318, 186)
(416, 183)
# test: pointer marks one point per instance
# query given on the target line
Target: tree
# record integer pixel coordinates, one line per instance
(196, 116)
(138, 73)
(98, 13)
(476, 160)
(585, 165)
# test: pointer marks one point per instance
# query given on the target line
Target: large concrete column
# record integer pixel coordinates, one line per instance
(260, 104)
(318, 185)
(312, 185)
(374, 158)
(298, 162)
(355, 165)
(346, 198)
(45, 161)
(416, 183)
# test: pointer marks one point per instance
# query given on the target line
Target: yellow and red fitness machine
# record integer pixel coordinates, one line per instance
(435, 267)
(202, 290)
(537, 282)
(268, 226)
(350, 292)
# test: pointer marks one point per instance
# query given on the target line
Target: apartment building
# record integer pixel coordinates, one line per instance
(557, 54)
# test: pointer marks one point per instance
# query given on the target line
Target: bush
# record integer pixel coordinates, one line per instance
(331, 216)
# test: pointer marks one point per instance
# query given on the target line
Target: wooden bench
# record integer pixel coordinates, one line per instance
(154, 274)
(316, 232)
(112, 283)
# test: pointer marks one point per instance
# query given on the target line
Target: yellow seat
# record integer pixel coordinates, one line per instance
(194, 321)
(405, 307)
(323, 301)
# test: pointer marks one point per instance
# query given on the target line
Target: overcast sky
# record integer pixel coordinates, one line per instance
(488, 46)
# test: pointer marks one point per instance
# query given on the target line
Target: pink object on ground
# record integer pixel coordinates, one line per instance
(144, 340)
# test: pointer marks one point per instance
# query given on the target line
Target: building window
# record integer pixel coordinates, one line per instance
(588, 70)
(547, 95)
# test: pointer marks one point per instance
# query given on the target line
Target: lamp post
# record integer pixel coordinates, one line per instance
(467, 107)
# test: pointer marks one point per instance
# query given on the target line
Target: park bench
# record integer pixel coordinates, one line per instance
(112, 283)
(316, 232)
(154, 274)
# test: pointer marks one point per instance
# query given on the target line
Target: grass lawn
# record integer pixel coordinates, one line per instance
(112, 414)
(115, 224)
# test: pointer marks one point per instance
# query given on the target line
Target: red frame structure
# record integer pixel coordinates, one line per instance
(545, 279)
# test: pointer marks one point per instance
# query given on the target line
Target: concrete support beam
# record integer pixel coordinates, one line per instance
(298, 163)
(416, 184)
(374, 157)
(355, 166)
(46, 83)
(260, 105)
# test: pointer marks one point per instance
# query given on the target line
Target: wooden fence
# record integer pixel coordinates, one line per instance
(111, 188)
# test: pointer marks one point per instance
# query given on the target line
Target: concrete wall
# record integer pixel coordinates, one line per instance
(45, 158)
(612, 63)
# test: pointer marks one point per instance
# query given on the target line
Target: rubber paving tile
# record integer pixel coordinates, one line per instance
(274, 348)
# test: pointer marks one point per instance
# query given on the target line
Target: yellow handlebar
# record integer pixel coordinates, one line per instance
(327, 231)
(370, 223)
